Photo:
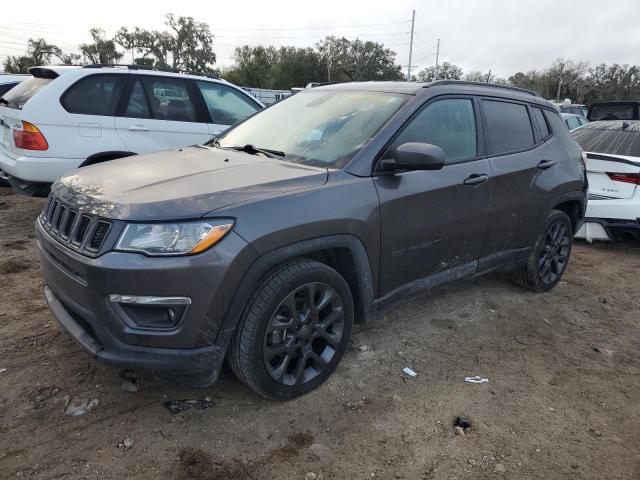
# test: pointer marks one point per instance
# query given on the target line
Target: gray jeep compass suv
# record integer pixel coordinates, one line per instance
(267, 244)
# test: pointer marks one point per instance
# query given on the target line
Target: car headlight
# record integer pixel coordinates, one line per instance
(186, 238)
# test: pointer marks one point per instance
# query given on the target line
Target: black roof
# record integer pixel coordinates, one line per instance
(414, 88)
(613, 137)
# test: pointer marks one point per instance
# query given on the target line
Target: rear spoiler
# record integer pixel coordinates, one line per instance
(613, 158)
(41, 72)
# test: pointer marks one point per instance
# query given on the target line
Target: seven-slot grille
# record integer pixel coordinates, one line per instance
(77, 230)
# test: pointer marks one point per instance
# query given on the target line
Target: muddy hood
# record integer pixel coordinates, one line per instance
(185, 183)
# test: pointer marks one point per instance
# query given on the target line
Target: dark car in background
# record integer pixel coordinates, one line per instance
(575, 108)
(614, 111)
(266, 245)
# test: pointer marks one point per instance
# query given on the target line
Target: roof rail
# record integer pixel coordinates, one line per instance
(481, 84)
(145, 67)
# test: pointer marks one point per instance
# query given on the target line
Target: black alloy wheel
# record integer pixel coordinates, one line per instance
(554, 253)
(303, 334)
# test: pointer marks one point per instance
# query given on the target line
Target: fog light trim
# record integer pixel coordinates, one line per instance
(149, 300)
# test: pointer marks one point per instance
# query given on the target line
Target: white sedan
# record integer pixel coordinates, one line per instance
(613, 168)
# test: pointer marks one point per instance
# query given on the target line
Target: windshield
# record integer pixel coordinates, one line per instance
(321, 128)
(20, 94)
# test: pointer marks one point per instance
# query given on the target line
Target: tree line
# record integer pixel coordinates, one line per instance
(188, 45)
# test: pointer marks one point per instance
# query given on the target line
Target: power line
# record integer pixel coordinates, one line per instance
(311, 28)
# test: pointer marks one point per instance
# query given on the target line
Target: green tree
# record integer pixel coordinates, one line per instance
(357, 60)
(101, 50)
(446, 71)
(268, 67)
(39, 52)
(188, 45)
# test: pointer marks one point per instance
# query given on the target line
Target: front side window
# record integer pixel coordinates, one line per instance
(94, 95)
(325, 128)
(507, 126)
(170, 99)
(449, 124)
(137, 106)
(226, 105)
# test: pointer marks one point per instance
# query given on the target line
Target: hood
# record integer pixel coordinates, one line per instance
(181, 184)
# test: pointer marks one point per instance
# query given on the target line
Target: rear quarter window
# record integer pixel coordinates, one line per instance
(18, 96)
(541, 121)
(94, 95)
(508, 127)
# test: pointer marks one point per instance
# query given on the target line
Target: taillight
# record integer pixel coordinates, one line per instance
(625, 177)
(29, 138)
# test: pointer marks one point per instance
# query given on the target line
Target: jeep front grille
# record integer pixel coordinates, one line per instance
(79, 231)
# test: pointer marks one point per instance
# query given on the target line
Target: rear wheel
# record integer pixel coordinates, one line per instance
(550, 255)
(294, 330)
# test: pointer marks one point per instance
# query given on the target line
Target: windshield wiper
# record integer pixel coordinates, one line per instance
(248, 148)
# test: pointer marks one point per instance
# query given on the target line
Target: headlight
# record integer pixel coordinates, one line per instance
(186, 238)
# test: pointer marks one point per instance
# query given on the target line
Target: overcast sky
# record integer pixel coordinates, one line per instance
(504, 35)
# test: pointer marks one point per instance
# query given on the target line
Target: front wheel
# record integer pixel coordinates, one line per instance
(550, 255)
(294, 330)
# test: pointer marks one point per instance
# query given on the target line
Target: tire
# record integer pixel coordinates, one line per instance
(550, 255)
(283, 347)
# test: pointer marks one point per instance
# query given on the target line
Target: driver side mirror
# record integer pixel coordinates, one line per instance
(415, 156)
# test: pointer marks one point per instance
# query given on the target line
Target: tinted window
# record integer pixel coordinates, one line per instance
(170, 99)
(542, 123)
(18, 96)
(450, 124)
(555, 122)
(508, 127)
(6, 87)
(611, 112)
(94, 95)
(583, 120)
(137, 106)
(226, 105)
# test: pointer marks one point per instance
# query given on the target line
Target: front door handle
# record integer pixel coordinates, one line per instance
(475, 179)
(138, 128)
(544, 164)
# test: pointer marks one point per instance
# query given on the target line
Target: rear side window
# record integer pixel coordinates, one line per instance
(611, 112)
(450, 124)
(94, 95)
(542, 123)
(6, 87)
(137, 106)
(170, 99)
(508, 127)
(18, 96)
(226, 105)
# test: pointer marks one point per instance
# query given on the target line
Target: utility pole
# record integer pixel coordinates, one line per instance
(328, 68)
(437, 57)
(489, 76)
(413, 20)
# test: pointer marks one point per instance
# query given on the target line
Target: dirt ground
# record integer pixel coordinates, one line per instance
(563, 399)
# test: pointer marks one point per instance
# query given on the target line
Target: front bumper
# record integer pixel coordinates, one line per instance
(79, 288)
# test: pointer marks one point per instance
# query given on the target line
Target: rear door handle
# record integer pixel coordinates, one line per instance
(138, 128)
(544, 164)
(476, 179)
